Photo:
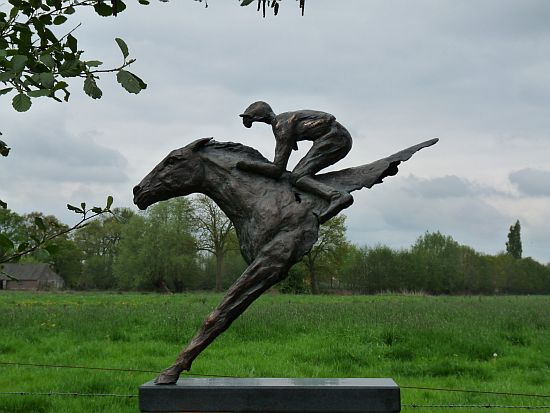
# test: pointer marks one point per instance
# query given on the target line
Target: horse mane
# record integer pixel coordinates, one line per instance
(237, 149)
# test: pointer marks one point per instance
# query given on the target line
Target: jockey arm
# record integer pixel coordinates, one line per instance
(285, 143)
(263, 168)
(271, 170)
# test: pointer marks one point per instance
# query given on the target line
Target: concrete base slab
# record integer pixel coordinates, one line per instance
(272, 395)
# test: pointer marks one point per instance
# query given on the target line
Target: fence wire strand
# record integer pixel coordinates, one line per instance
(474, 406)
(72, 394)
(130, 396)
(496, 393)
(413, 405)
(64, 366)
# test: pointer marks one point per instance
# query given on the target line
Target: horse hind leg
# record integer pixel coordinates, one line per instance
(269, 267)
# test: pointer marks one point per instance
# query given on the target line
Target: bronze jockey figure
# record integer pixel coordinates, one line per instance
(331, 142)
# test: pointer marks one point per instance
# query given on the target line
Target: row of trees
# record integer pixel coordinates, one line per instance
(185, 244)
(437, 264)
(176, 245)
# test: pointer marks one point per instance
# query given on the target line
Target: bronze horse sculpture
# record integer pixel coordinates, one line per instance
(276, 223)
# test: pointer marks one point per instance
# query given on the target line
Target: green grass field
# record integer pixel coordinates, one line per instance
(480, 343)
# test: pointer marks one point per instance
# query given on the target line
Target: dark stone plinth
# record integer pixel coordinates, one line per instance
(271, 395)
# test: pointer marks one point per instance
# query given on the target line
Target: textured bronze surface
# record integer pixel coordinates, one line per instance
(277, 222)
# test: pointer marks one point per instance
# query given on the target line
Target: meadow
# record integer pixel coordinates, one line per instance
(497, 344)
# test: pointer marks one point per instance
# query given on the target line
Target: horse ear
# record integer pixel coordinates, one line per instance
(199, 143)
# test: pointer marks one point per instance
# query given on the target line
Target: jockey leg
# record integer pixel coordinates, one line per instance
(325, 151)
(338, 200)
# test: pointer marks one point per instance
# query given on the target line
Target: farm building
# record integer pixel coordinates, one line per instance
(30, 277)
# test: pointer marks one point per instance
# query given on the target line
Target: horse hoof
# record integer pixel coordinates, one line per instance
(168, 376)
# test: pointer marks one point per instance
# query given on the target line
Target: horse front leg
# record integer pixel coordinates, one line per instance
(270, 266)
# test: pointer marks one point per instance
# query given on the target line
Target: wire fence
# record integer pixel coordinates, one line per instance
(129, 370)
(131, 396)
(409, 405)
(71, 394)
(474, 406)
(495, 393)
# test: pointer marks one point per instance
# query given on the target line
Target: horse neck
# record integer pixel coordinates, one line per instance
(226, 189)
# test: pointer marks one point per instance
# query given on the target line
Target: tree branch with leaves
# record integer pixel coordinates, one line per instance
(274, 4)
(327, 252)
(34, 60)
(213, 230)
(43, 233)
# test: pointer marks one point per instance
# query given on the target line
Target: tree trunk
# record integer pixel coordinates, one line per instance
(219, 267)
(312, 276)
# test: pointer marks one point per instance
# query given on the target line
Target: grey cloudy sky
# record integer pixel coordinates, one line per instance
(476, 74)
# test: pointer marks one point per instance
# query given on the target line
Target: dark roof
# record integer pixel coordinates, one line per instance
(33, 272)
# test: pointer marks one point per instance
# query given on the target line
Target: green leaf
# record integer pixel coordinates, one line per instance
(74, 209)
(123, 47)
(120, 7)
(52, 249)
(21, 102)
(14, 10)
(47, 60)
(145, 2)
(5, 242)
(22, 247)
(30, 81)
(18, 63)
(39, 222)
(39, 93)
(141, 82)
(46, 20)
(59, 20)
(97, 210)
(109, 202)
(91, 89)
(49, 35)
(6, 90)
(69, 10)
(103, 9)
(4, 150)
(72, 43)
(130, 82)
(3, 53)
(93, 63)
(246, 2)
(46, 79)
(71, 68)
(7, 75)
(62, 86)
(3, 204)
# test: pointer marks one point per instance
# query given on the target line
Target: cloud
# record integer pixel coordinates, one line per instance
(532, 182)
(401, 209)
(49, 167)
(449, 186)
(394, 73)
(46, 151)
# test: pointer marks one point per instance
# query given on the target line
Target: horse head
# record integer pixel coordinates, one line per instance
(180, 173)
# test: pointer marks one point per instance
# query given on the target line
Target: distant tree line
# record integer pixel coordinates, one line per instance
(163, 249)
(437, 264)
(182, 245)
